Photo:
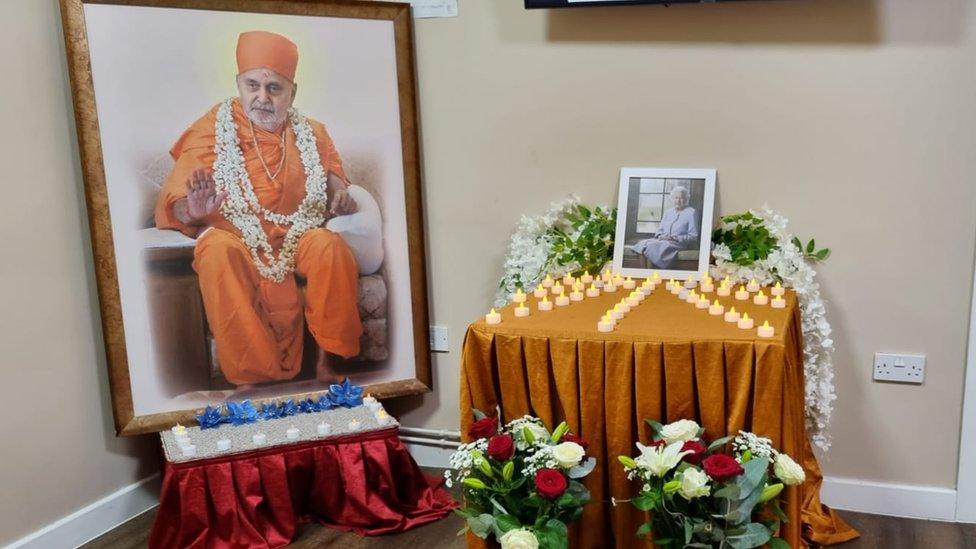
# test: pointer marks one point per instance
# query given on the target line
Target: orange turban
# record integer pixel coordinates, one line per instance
(260, 49)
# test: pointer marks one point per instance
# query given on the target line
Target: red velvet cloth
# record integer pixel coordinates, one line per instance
(366, 483)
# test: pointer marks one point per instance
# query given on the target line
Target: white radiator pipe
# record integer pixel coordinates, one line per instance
(430, 441)
(432, 433)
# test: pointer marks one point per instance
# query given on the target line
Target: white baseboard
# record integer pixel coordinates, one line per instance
(96, 518)
(893, 500)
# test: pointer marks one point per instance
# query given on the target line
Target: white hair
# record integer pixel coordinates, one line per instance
(681, 190)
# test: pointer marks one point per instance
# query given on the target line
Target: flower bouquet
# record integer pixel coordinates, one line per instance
(519, 483)
(700, 497)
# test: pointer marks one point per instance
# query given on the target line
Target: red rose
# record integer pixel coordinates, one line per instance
(550, 483)
(697, 448)
(721, 467)
(570, 437)
(501, 447)
(483, 428)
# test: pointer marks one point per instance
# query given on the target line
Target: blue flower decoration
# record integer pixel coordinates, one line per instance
(287, 408)
(323, 404)
(346, 394)
(239, 413)
(307, 406)
(210, 418)
(270, 410)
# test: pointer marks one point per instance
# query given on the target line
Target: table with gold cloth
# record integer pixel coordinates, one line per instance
(666, 361)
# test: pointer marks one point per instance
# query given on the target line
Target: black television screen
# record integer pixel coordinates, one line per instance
(530, 4)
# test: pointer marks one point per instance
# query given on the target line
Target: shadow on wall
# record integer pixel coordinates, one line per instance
(825, 22)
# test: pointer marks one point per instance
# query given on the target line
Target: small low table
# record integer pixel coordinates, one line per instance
(666, 360)
(364, 482)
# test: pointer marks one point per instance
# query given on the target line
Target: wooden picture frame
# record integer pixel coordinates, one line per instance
(128, 419)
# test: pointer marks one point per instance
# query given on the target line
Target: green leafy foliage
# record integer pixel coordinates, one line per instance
(588, 244)
(749, 240)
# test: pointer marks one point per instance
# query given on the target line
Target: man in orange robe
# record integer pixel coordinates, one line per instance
(257, 322)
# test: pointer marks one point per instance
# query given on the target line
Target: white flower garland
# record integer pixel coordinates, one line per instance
(527, 261)
(244, 211)
(787, 263)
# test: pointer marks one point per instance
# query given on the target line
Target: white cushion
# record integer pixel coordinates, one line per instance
(362, 231)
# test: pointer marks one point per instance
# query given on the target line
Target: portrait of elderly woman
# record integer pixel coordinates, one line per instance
(664, 221)
(260, 170)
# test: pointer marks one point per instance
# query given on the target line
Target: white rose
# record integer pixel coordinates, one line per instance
(694, 484)
(788, 470)
(568, 454)
(519, 538)
(680, 431)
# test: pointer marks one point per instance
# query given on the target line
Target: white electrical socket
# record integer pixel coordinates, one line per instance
(438, 339)
(900, 368)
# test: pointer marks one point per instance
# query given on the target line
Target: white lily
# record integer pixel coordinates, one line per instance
(659, 460)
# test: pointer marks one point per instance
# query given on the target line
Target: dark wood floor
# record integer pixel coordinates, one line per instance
(877, 532)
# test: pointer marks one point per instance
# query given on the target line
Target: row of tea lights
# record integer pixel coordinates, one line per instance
(323, 429)
(689, 295)
(608, 282)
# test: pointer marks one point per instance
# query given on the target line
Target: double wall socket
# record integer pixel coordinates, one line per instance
(900, 368)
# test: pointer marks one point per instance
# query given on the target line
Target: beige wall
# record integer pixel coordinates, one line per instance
(853, 117)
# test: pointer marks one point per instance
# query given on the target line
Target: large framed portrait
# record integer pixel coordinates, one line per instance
(664, 222)
(254, 198)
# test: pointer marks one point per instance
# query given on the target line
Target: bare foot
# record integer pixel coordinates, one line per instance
(323, 369)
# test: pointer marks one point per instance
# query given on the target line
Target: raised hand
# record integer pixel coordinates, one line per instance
(343, 203)
(202, 198)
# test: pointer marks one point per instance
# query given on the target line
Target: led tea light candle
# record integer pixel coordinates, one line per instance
(676, 287)
(760, 298)
(623, 307)
(519, 296)
(605, 325)
(731, 315)
(777, 290)
(371, 403)
(726, 281)
(629, 284)
(656, 278)
(548, 281)
(592, 291)
(707, 285)
(692, 297)
(753, 285)
(189, 450)
(647, 288)
(632, 301)
(778, 302)
(562, 299)
(521, 310)
(745, 322)
(556, 289)
(607, 275)
(568, 280)
(493, 317)
(609, 287)
(323, 429)
(576, 294)
(545, 304)
(669, 284)
(259, 439)
(384, 418)
(616, 313)
(292, 433)
(223, 445)
(178, 430)
(716, 308)
(766, 330)
(587, 278)
(683, 294)
(724, 290)
(355, 425)
(742, 294)
(702, 303)
(598, 282)
(618, 281)
(638, 294)
(540, 291)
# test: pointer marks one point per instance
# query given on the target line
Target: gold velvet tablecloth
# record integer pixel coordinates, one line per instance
(666, 361)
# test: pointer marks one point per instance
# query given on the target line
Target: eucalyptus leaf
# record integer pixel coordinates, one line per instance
(481, 525)
(583, 469)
